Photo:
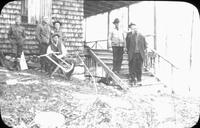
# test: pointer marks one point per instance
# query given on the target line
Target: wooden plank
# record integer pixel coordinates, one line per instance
(116, 79)
(2, 58)
(56, 64)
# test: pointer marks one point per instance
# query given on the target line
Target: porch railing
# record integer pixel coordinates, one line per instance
(156, 63)
(98, 44)
(160, 66)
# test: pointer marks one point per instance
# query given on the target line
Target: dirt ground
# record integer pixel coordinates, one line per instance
(84, 106)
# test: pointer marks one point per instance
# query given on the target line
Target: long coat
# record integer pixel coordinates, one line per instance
(131, 43)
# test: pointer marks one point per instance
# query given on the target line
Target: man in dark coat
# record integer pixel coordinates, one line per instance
(136, 48)
(43, 33)
(16, 34)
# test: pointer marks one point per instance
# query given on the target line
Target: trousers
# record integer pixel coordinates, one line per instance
(135, 67)
(43, 60)
(117, 57)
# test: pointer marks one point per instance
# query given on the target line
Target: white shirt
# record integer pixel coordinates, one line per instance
(116, 37)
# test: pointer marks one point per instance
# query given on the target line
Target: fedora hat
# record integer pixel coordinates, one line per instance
(56, 34)
(116, 21)
(131, 24)
(57, 22)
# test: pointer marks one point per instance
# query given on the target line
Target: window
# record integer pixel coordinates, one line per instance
(34, 10)
(24, 11)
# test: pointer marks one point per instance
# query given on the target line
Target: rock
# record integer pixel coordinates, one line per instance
(11, 82)
(49, 120)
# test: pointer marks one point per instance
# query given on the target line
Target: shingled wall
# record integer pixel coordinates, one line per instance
(69, 12)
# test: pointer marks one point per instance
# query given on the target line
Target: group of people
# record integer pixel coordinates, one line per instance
(134, 44)
(49, 39)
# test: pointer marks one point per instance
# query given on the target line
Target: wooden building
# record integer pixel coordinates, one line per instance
(69, 12)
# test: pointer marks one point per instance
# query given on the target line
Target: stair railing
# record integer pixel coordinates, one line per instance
(154, 63)
(98, 44)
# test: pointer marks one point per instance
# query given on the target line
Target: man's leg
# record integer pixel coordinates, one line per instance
(19, 49)
(114, 58)
(42, 59)
(46, 67)
(139, 65)
(119, 58)
(132, 72)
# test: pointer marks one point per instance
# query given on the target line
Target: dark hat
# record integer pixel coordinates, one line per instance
(116, 21)
(57, 22)
(131, 25)
(56, 34)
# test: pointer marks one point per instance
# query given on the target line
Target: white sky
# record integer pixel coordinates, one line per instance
(173, 26)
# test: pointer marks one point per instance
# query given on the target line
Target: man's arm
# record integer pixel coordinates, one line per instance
(38, 33)
(110, 40)
(127, 42)
(10, 32)
(63, 50)
(124, 39)
(49, 50)
(145, 43)
(23, 33)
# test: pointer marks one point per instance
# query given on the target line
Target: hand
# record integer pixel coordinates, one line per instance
(125, 50)
(60, 56)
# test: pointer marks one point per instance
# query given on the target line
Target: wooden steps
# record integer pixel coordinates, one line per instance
(106, 57)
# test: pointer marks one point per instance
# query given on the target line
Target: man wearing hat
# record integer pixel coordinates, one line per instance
(56, 45)
(136, 48)
(117, 41)
(16, 34)
(43, 32)
(57, 29)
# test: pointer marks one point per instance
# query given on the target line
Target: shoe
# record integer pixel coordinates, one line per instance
(132, 82)
(139, 83)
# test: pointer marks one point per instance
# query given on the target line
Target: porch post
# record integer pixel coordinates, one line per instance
(85, 24)
(108, 28)
(191, 38)
(128, 14)
(155, 42)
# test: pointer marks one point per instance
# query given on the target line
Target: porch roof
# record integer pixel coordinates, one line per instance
(95, 7)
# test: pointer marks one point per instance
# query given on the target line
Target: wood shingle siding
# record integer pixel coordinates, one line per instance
(68, 12)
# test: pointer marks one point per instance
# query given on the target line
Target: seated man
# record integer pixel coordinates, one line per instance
(56, 46)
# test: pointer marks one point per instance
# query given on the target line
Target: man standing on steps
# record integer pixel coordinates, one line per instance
(136, 48)
(43, 33)
(16, 35)
(117, 41)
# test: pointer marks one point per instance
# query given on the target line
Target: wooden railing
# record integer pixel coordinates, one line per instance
(98, 44)
(160, 66)
(153, 63)
(110, 73)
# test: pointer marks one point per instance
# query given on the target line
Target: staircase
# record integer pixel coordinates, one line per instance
(107, 58)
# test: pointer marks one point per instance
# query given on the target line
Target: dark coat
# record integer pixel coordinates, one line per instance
(130, 44)
(43, 33)
(17, 34)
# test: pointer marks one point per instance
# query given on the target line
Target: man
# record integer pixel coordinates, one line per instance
(117, 41)
(136, 46)
(56, 46)
(43, 37)
(16, 34)
(57, 29)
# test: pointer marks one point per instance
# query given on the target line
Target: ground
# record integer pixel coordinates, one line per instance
(86, 105)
